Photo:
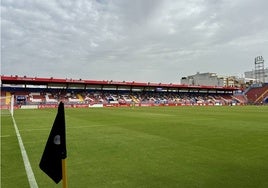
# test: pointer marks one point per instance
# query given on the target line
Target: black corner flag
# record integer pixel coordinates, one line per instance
(55, 150)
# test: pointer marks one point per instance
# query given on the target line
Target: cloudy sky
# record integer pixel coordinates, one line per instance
(140, 40)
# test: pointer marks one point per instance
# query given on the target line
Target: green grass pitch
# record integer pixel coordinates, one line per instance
(145, 147)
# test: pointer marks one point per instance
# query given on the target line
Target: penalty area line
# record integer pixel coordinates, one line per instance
(27, 165)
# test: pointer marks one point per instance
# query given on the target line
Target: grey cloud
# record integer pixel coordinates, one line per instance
(132, 40)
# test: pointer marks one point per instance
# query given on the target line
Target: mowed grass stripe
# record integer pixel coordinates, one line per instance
(12, 168)
(155, 147)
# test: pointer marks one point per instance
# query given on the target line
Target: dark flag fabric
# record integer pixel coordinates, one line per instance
(55, 149)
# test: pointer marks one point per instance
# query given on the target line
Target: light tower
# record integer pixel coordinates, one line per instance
(259, 69)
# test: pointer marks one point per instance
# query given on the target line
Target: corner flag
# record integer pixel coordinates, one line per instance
(55, 149)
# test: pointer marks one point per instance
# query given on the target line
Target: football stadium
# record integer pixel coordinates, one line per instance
(134, 94)
(130, 134)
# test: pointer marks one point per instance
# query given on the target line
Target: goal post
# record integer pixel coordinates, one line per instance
(7, 105)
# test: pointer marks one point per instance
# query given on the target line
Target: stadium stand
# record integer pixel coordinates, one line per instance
(121, 98)
(257, 94)
(241, 98)
(48, 92)
(49, 98)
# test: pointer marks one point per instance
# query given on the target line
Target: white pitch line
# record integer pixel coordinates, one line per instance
(27, 165)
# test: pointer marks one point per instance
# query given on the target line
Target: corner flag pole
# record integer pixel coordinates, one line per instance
(64, 174)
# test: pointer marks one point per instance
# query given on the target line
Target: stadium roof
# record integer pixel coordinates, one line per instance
(17, 80)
